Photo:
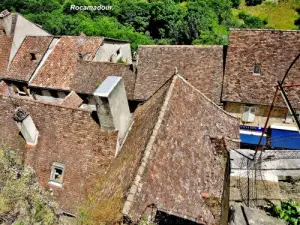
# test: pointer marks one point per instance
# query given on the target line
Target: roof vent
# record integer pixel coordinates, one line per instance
(33, 57)
(26, 126)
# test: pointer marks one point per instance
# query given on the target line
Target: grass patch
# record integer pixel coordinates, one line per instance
(281, 15)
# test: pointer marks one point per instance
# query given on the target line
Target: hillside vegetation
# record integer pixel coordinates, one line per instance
(279, 15)
(22, 200)
(157, 21)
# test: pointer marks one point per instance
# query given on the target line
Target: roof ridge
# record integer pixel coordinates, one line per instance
(255, 29)
(148, 150)
(42, 103)
(205, 97)
(181, 46)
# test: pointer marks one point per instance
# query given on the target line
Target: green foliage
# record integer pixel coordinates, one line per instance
(140, 21)
(235, 3)
(251, 21)
(253, 2)
(22, 201)
(287, 211)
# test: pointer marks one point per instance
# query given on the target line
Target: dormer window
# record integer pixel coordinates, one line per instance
(57, 174)
(33, 57)
(249, 114)
(257, 69)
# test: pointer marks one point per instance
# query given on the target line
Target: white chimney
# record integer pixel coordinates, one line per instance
(26, 126)
(112, 106)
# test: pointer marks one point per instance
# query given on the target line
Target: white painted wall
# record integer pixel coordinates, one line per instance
(110, 48)
(23, 28)
(7, 23)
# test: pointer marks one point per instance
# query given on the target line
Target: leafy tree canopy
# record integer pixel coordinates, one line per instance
(140, 21)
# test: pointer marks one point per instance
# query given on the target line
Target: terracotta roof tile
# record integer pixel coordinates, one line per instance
(28, 57)
(5, 46)
(66, 135)
(179, 166)
(274, 50)
(91, 74)
(61, 65)
(202, 66)
(72, 100)
(182, 156)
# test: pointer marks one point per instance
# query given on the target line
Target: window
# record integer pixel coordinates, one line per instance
(57, 173)
(289, 117)
(248, 114)
(33, 57)
(119, 51)
(257, 69)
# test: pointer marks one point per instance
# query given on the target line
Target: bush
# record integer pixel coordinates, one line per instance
(287, 211)
(22, 201)
(235, 3)
(252, 21)
(253, 2)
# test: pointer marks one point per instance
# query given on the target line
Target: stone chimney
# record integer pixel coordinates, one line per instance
(8, 21)
(112, 106)
(26, 126)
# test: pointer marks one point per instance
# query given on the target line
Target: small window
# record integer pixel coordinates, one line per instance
(57, 173)
(257, 69)
(289, 117)
(119, 51)
(33, 57)
(248, 114)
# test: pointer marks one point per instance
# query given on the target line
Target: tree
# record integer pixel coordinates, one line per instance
(135, 14)
(252, 21)
(253, 2)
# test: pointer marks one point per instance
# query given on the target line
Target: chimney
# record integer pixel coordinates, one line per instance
(112, 106)
(7, 21)
(26, 126)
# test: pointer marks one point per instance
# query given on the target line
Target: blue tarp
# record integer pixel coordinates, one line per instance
(285, 139)
(251, 139)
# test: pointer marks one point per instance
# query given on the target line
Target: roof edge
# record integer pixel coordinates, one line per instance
(222, 110)
(43, 103)
(147, 153)
(262, 30)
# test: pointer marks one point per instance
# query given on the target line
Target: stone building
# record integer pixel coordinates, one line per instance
(163, 171)
(202, 66)
(47, 68)
(170, 145)
(255, 61)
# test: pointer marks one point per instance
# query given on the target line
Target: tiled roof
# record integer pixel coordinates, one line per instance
(60, 67)
(275, 51)
(5, 45)
(66, 135)
(28, 57)
(72, 100)
(171, 149)
(91, 74)
(202, 66)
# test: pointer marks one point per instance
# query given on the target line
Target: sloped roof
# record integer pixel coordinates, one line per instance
(28, 57)
(61, 66)
(5, 45)
(167, 157)
(72, 100)
(275, 50)
(202, 66)
(66, 135)
(91, 74)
